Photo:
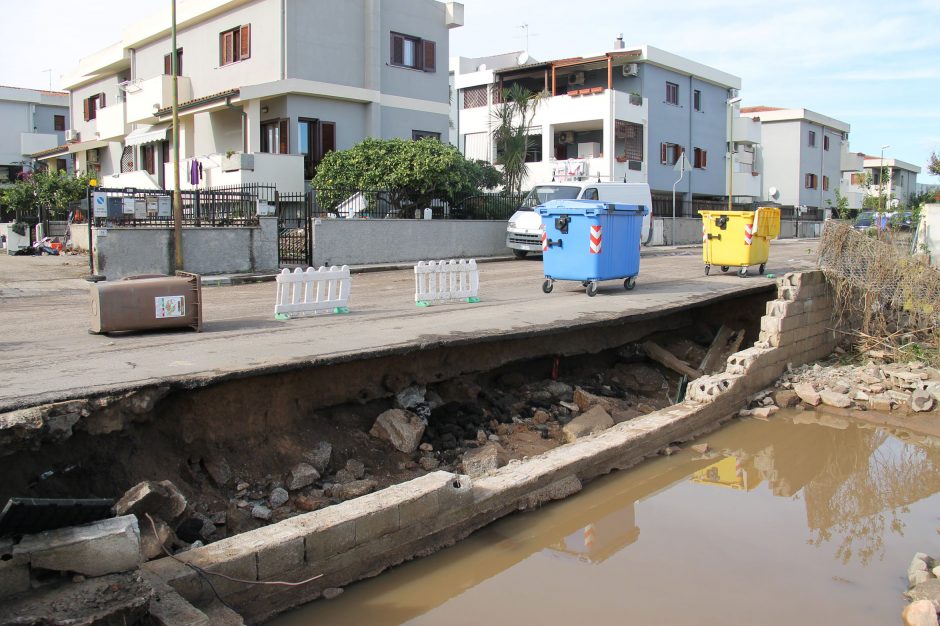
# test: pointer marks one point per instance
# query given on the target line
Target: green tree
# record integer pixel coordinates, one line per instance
(841, 206)
(411, 173)
(513, 118)
(44, 189)
(933, 164)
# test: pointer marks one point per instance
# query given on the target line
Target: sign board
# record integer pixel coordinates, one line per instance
(682, 164)
(140, 208)
(164, 206)
(169, 306)
(100, 202)
(128, 204)
(266, 207)
(151, 206)
(115, 207)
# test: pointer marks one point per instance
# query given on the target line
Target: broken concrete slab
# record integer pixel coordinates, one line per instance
(160, 498)
(807, 394)
(302, 475)
(354, 489)
(922, 401)
(920, 613)
(835, 398)
(403, 429)
(105, 547)
(593, 421)
(484, 459)
(152, 543)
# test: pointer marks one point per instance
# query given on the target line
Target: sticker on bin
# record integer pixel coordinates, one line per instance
(748, 233)
(595, 239)
(544, 239)
(170, 306)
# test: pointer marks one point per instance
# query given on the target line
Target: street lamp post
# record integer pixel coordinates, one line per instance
(730, 104)
(177, 198)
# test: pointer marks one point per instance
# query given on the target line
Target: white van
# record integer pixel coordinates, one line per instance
(523, 233)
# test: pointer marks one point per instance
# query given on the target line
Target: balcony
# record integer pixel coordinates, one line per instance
(31, 143)
(746, 184)
(851, 161)
(112, 124)
(745, 130)
(284, 171)
(144, 98)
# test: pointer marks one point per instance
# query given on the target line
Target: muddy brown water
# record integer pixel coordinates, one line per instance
(803, 519)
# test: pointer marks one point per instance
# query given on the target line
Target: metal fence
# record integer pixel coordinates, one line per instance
(235, 205)
(395, 204)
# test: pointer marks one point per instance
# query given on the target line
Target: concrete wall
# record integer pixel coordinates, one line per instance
(360, 538)
(689, 230)
(121, 252)
(355, 242)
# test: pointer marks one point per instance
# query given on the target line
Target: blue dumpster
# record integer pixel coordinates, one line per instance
(588, 241)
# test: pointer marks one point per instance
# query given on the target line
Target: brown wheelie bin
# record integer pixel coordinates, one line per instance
(147, 303)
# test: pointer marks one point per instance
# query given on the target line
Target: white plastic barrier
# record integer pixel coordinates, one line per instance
(312, 291)
(440, 281)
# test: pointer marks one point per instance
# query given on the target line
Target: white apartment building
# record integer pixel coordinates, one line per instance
(266, 89)
(31, 121)
(900, 178)
(804, 155)
(627, 114)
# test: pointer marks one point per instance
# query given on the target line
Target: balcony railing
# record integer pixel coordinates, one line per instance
(112, 121)
(145, 97)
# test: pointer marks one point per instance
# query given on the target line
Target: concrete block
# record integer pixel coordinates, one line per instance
(326, 542)
(593, 421)
(784, 308)
(234, 560)
(14, 577)
(276, 558)
(105, 547)
(169, 608)
(162, 499)
(419, 510)
(377, 523)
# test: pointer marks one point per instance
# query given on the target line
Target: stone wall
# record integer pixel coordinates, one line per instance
(360, 538)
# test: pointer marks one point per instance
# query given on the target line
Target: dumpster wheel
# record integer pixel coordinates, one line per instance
(707, 269)
(629, 283)
(742, 272)
(760, 270)
(592, 289)
(725, 268)
(547, 286)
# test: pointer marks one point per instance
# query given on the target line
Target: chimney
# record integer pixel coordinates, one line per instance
(618, 42)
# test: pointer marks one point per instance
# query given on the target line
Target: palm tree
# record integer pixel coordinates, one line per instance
(512, 119)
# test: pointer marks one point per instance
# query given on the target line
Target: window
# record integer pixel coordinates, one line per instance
(421, 134)
(127, 160)
(859, 178)
(697, 100)
(812, 139)
(810, 181)
(701, 158)
(672, 93)
(474, 97)
(168, 63)
(62, 164)
(590, 194)
(274, 136)
(92, 104)
(316, 139)
(628, 141)
(413, 52)
(825, 142)
(58, 122)
(533, 153)
(825, 183)
(235, 45)
(669, 153)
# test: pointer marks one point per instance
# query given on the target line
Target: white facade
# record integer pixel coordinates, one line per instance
(802, 156)
(900, 178)
(31, 121)
(280, 81)
(607, 117)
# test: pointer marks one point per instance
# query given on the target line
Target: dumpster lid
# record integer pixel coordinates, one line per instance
(588, 207)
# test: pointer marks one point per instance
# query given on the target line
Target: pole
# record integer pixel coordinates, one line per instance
(730, 153)
(881, 179)
(177, 198)
(681, 174)
(90, 210)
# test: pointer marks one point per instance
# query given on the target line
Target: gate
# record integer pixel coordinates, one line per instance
(294, 229)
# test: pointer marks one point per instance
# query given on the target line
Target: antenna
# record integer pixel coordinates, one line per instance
(50, 78)
(525, 27)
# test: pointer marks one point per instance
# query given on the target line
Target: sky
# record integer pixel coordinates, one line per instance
(870, 63)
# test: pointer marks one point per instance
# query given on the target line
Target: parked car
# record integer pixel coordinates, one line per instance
(864, 220)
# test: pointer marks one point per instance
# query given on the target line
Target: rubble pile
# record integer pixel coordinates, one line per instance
(923, 590)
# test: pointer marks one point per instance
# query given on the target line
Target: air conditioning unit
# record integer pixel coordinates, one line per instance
(577, 78)
(566, 137)
(71, 135)
(630, 69)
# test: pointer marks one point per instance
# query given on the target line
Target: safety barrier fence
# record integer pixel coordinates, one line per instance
(309, 292)
(442, 281)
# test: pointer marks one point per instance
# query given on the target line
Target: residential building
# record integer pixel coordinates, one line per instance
(804, 155)
(31, 120)
(266, 89)
(628, 114)
(899, 182)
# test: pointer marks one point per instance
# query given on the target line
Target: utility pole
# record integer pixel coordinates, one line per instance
(881, 179)
(177, 198)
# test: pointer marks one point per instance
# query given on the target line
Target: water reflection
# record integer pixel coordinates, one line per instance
(728, 513)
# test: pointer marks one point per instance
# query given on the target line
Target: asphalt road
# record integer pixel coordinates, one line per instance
(46, 353)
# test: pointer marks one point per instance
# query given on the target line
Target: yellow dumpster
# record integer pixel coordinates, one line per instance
(738, 238)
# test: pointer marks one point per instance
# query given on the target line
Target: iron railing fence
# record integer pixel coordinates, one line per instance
(397, 204)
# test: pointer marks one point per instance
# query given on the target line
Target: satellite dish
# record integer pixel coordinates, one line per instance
(774, 192)
(523, 58)
(481, 67)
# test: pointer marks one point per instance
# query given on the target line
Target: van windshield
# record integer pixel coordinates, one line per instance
(541, 194)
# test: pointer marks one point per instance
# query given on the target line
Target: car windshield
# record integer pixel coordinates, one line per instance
(543, 193)
(864, 218)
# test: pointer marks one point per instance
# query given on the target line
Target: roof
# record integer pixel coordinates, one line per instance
(189, 104)
(760, 109)
(42, 91)
(50, 152)
(774, 114)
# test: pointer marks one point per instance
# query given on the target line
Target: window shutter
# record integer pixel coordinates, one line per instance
(704, 158)
(662, 153)
(430, 59)
(244, 42)
(327, 137)
(398, 50)
(85, 102)
(168, 64)
(283, 144)
(227, 43)
(101, 101)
